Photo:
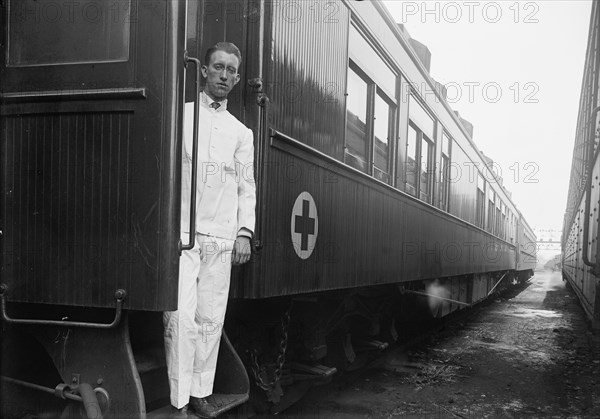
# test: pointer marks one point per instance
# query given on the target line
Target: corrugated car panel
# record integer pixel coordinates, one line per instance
(307, 76)
(463, 186)
(580, 274)
(90, 196)
(368, 233)
(68, 195)
(581, 279)
(77, 211)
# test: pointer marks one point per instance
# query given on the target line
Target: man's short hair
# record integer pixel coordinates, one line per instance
(227, 47)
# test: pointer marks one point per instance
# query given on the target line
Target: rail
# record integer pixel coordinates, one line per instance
(192, 236)
(120, 295)
(123, 93)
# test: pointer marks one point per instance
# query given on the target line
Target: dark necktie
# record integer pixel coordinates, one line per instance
(215, 105)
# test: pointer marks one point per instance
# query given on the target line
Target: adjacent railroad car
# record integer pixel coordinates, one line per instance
(374, 204)
(580, 250)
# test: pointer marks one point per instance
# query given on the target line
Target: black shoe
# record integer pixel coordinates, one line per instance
(203, 407)
(175, 413)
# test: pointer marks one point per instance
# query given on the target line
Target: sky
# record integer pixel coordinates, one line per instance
(514, 70)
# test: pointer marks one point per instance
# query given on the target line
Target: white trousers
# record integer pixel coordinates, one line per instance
(193, 332)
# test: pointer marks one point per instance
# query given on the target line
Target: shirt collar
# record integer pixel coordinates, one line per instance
(204, 98)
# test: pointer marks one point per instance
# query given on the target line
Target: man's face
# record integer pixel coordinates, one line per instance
(221, 75)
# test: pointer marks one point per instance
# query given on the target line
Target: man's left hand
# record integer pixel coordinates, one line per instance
(241, 250)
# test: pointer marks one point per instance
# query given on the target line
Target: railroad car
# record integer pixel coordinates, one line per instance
(580, 257)
(374, 205)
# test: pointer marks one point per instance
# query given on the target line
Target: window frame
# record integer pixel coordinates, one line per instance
(87, 76)
(491, 212)
(498, 224)
(420, 139)
(75, 18)
(430, 165)
(373, 90)
(417, 158)
(480, 201)
(350, 158)
(391, 129)
(444, 175)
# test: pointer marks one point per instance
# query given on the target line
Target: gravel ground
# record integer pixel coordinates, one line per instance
(532, 355)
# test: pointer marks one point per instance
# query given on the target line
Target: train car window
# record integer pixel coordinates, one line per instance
(192, 25)
(501, 226)
(51, 32)
(444, 173)
(444, 182)
(382, 115)
(445, 145)
(356, 125)
(411, 160)
(480, 201)
(371, 109)
(503, 221)
(420, 117)
(426, 169)
(367, 58)
(497, 229)
(423, 124)
(491, 208)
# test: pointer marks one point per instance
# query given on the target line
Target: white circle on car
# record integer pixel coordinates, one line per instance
(304, 225)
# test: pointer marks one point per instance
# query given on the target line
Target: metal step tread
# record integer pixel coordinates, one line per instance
(223, 403)
(150, 359)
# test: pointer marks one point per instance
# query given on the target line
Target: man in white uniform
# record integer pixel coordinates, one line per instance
(224, 226)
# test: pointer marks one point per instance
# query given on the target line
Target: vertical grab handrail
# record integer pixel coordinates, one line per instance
(262, 100)
(192, 235)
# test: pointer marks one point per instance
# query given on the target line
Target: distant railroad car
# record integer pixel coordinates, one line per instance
(580, 250)
(372, 197)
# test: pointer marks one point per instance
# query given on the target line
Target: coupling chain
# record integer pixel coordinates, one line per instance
(283, 343)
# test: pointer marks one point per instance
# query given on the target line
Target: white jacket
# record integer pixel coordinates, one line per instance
(226, 193)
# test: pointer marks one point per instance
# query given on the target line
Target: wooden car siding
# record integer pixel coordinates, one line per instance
(369, 233)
